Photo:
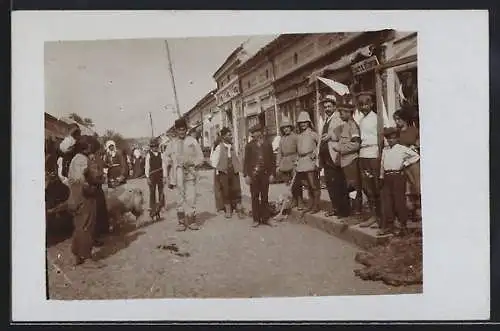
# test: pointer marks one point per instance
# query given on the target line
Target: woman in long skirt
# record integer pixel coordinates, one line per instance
(82, 180)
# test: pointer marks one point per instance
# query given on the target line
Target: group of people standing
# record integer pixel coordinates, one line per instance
(348, 152)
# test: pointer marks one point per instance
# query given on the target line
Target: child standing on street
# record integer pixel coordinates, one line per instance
(395, 158)
(156, 173)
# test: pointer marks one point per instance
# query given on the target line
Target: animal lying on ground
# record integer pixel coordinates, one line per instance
(123, 200)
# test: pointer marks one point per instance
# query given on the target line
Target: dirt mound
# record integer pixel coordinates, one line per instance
(397, 263)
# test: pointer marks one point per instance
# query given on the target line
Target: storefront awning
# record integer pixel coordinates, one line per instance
(343, 62)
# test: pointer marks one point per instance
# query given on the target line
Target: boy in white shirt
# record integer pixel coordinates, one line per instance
(395, 158)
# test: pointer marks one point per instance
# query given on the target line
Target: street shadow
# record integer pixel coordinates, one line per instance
(202, 217)
(116, 243)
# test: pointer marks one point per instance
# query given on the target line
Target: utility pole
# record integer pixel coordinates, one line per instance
(151, 122)
(173, 80)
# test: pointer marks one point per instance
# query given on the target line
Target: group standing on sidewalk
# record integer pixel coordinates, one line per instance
(349, 152)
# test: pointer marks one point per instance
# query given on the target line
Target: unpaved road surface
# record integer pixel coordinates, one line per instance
(226, 258)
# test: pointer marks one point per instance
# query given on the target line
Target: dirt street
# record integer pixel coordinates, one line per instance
(226, 258)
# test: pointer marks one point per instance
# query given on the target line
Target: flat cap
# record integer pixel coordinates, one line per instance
(180, 123)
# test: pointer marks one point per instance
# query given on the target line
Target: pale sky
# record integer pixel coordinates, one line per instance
(118, 82)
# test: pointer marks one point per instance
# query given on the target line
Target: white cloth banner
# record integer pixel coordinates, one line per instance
(337, 87)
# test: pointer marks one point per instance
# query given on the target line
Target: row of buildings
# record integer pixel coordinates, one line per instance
(282, 79)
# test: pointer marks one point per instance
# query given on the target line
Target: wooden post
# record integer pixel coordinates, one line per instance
(379, 96)
(171, 71)
(316, 86)
(151, 122)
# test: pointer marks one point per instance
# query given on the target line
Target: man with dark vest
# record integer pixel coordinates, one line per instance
(156, 173)
(328, 157)
(226, 162)
(258, 171)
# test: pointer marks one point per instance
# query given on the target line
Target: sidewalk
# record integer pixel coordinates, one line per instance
(362, 237)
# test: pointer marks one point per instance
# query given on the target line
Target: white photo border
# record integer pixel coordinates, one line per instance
(453, 71)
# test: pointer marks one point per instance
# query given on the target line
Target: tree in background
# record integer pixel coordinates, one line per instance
(80, 120)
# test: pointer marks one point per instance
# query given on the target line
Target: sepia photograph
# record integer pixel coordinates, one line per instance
(224, 167)
(249, 172)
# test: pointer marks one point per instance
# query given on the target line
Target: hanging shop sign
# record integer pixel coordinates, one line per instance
(365, 65)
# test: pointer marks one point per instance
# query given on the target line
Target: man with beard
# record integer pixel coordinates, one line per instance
(369, 160)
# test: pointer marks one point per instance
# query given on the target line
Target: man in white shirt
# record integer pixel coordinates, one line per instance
(369, 160)
(226, 162)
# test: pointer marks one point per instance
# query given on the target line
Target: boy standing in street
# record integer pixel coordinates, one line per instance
(258, 172)
(156, 174)
(183, 155)
(395, 158)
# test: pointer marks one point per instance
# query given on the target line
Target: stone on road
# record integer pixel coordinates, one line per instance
(226, 258)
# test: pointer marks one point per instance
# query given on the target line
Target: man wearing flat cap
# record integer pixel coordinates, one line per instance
(225, 160)
(328, 157)
(287, 158)
(258, 169)
(184, 155)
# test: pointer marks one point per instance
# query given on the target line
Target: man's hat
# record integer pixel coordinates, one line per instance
(345, 106)
(285, 123)
(224, 131)
(255, 128)
(153, 142)
(390, 132)
(180, 123)
(329, 98)
(365, 92)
